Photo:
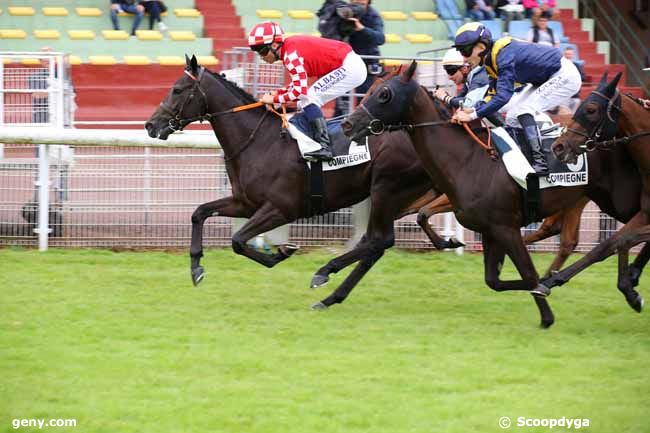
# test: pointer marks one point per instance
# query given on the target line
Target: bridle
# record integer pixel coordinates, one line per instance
(377, 127)
(599, 138)
(178, 123)
(600, 135)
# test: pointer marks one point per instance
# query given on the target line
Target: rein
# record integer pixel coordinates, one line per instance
(176, 123)
(377, 127)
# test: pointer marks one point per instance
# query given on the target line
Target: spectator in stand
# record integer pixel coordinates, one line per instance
(363, 28)
(479, 10)
(155, 8)
(535, 8)
(541, 33)
(574, 102)
(509, 10)
(130, 7)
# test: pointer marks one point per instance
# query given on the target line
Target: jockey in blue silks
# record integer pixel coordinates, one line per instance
(509, 64)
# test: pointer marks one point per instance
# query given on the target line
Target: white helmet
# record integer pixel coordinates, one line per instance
(453, 57)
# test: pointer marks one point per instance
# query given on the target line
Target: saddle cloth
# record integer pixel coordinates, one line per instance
(347, 153)
(518, 166)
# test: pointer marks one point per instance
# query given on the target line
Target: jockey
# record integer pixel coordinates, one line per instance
(510, 62)
(461, 74)
(336, 66)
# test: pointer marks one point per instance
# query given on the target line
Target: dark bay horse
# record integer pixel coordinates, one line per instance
(484, 197)
(268, 175)
(602, 116)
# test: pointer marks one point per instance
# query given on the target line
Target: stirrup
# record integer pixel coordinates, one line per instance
(321, 154)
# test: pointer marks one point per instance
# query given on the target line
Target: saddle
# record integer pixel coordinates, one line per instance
(339, 142)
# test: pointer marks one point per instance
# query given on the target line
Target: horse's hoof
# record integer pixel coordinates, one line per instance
(318, 281)
(546, 323)
(541, 290)
(287, 250)
(198, 274)
(636, 303)
(318, 306)
(454, 243)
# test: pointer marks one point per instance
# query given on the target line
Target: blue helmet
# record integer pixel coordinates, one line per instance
(471, 33)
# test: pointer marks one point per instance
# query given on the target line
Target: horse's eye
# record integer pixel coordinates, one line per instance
(591, 110)
(176, 91)
(385, 95)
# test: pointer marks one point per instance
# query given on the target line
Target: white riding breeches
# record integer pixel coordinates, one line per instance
(350, 75)
(558, 90)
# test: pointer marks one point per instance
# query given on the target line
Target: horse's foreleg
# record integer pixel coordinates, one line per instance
(229, 207)
(624, 282)
(494, 254)
(629, 232)
(342, 292)
(636, 268)
(264, 219)
(440, 205)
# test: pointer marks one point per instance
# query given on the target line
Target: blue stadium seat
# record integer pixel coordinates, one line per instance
(448, 10)
(519, 29)
(494, 26)
(558, 30)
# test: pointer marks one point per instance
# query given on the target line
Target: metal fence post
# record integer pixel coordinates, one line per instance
(43, 196)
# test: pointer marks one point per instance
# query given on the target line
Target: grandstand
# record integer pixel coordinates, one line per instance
(118, 77)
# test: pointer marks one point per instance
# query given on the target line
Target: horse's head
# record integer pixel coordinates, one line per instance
(185, 103)
(386, 102)
(595, 120)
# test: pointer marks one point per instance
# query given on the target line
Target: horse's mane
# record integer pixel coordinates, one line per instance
(442, 110)
(233, 87)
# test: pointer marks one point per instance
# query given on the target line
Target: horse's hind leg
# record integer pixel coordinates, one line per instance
(229, 207)
(264, 219)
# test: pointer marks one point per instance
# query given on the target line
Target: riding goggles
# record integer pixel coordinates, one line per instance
(465, 50)
(262, 50)
(451, 69)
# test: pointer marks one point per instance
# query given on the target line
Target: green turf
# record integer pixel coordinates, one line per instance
(123, 343)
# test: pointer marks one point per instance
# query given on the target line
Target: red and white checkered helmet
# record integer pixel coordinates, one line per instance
(265, 33)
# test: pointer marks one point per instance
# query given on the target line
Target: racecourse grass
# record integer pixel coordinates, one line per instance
(122, 342)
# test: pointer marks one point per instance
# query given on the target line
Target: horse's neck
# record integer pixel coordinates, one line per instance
(634, 118)
(447, 149)
(234, 130)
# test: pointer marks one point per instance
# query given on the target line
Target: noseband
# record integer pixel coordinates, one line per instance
(600, 135)
(176, 122)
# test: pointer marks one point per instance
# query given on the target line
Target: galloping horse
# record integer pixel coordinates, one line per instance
(268, 176)
(603, 115)
(484, 197)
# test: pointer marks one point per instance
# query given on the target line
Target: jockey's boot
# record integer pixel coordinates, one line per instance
(321, 135)
(534, 142)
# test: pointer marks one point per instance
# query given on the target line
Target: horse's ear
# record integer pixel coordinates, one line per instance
(408, 74)
(187, 60)
(603, 79)
(194, 64)
(611, 87)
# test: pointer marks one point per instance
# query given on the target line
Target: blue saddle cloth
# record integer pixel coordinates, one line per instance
(339, 142)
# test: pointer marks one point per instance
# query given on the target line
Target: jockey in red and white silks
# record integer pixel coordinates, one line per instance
(338, 68)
